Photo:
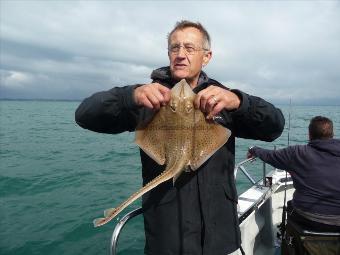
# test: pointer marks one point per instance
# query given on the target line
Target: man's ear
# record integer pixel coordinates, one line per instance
(206, 58)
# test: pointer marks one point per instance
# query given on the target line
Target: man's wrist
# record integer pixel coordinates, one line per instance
(237, 101)
(133, 102)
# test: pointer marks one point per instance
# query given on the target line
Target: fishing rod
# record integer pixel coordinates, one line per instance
(284, 208)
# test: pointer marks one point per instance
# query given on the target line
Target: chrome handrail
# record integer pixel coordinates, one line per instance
(249, 177)
(119, 226)
(244, 171)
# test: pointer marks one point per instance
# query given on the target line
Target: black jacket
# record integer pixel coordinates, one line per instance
(315, 170)
(198, 215)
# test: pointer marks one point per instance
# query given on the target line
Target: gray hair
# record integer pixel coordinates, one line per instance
(180, 25)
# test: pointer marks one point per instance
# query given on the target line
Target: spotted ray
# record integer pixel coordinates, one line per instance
(180, 137)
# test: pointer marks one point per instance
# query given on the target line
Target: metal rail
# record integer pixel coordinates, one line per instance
(119, 226)
(244, 171)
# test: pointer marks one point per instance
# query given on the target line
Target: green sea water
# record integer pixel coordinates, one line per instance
(56, 177)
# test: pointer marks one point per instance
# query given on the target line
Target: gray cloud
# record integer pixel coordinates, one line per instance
(70, 49)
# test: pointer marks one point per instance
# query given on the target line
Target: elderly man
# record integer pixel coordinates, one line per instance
(198, 214)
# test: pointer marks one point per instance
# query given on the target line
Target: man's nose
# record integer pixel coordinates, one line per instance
(182, 52)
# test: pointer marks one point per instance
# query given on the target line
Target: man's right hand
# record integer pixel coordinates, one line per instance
(152, 95)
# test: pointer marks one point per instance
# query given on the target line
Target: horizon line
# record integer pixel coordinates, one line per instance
(277, 102)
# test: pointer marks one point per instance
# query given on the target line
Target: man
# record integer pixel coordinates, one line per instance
(315, 170)
(198, 214)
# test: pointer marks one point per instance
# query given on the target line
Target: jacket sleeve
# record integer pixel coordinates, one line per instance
(255, 119)
(112, 111)
(280, 159)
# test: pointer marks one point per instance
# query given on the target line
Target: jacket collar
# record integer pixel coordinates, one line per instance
(163, 74)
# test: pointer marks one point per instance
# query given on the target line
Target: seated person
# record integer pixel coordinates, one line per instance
(315, 170)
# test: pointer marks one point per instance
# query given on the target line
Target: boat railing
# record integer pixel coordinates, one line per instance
(138, 211)
(119, 227)
(241, 166)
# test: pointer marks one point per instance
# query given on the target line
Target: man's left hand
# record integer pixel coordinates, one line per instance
(214, 99)
(250, 153)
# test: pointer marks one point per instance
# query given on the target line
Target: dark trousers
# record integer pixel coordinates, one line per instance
(298, 242)
(308, 224)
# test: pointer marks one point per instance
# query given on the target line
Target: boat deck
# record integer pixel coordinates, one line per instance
(260, 212)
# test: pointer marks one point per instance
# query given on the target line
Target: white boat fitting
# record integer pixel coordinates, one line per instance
(259, 211)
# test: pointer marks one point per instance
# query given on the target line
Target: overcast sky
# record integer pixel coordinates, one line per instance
(70, 49)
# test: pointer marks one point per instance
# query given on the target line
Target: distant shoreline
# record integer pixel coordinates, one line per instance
(41, 100)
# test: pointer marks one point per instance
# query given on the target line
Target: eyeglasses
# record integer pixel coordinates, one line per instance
(189, 48)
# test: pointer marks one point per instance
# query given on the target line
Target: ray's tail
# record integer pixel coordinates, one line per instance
(110, 213)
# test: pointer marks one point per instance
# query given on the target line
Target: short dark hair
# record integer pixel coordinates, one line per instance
(180, 25)
(320, 128)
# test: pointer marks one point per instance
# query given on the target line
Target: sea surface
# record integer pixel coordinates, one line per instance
(56, 177)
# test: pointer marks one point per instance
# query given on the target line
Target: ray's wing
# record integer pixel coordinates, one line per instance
(207, 139)
(151, 138)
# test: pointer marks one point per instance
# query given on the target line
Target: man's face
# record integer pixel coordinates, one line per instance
(183, 64)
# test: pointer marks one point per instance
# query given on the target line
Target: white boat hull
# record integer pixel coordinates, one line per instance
(260, 212)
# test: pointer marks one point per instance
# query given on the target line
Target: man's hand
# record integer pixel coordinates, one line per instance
(214, 99)
(152, 95)
(250, 153)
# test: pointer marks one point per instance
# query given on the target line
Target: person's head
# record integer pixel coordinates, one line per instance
(188, 51)
(320, 128)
